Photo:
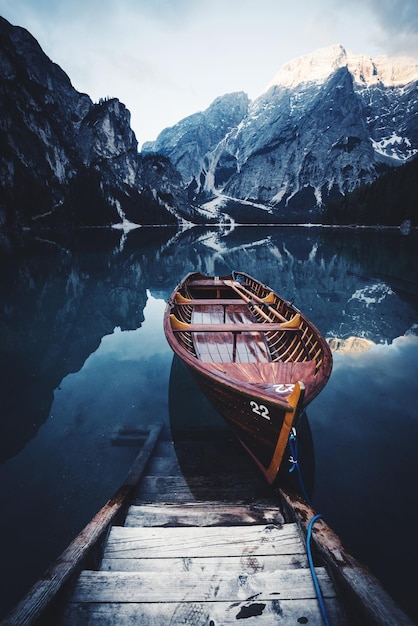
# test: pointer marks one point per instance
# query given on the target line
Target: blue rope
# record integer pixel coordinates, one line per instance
(313, 572)
(294, 449)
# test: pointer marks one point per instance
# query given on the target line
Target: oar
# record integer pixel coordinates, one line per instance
(229, 283)
(237, 287)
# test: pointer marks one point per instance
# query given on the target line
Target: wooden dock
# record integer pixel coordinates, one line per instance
(208, 550)
(201, 574)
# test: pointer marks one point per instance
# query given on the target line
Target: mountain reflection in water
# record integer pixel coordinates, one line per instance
(83, 353)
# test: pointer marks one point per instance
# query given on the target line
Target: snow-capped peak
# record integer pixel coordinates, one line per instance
(316, 67)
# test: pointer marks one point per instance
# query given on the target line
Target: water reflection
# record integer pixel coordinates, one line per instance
(82, 351)
(59, 300)
(68, 471)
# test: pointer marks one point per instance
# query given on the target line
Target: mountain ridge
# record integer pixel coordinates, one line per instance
(305, 142)
(330, 122)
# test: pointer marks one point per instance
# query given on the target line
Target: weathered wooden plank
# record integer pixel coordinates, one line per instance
(225, 487)
(206, 541)
(253, 612)
(233, 564)
(161, 587)
(202, 514)
(165, 448)
(162, 488)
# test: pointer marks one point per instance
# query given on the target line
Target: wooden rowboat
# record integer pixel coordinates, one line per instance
(255, 356)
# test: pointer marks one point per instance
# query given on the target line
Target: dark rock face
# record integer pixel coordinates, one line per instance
(189, 143)
(65, 161)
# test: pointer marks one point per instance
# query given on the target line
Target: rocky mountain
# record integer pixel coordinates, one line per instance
(328, 123)
(189, 143)
(65, 161)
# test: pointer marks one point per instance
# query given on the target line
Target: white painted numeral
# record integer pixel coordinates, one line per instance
(260, 409)
(284, 388)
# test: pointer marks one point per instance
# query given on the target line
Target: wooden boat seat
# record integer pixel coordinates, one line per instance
(227, 346)
(179, 326)
(210, 302)
(231, 328)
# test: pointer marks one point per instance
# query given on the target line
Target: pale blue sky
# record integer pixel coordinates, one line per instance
(166, 59)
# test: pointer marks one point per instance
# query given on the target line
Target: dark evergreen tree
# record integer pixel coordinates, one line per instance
(388, 201)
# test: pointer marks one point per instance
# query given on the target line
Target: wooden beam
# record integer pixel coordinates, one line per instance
(179, 326)
(209, 302)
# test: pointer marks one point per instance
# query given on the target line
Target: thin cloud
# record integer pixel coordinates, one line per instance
(399, 22)
(396, 17)
(167, 59)
(396, 23)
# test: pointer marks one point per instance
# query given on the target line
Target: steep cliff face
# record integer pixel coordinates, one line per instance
(189, 143)
(65, 161)
(295, 149)
(328, 123)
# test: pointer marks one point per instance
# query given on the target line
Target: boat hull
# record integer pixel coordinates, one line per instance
(256, 358)
(262, 426)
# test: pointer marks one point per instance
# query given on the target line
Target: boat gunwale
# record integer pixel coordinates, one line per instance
(327, 362)
(204, 368)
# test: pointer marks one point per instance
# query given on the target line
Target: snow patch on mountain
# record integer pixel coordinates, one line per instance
(395, 147)
(372, 294)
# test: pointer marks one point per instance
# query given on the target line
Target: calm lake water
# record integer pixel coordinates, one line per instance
(83, 353)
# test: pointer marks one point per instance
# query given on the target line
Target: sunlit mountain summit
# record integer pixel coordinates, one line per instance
(327, 123)
(366, 71)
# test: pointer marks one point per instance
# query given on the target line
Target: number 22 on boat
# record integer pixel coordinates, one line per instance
(260, 409)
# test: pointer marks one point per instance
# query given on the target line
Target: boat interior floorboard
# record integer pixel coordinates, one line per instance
(224, 347)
